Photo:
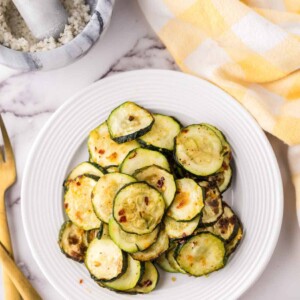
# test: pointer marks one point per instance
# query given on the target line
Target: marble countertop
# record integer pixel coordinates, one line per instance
(28, 100)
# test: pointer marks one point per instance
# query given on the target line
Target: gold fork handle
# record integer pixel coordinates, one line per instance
(10, 290)
(24, 286)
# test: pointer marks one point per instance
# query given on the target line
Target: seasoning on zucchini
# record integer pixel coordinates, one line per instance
(162, 134)
(78, 203)
(104, 151)
(72, 241)
(223, 177)
(213, 206)
(140, 158)
(130, 278)
(188, 201)
(129, 121)
(201, 254)
(179, 229)
(148, 281)
(138, 208)
(85, 168)
(131, 242)
(104, 193)
(232, 245)
(199, 150)
(160, 179)
(160, 246)
(105, 260)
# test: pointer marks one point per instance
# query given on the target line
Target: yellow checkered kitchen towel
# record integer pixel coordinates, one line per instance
(249, 48)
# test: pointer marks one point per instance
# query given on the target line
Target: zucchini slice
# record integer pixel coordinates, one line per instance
(171, 258)
(103, 232)
(202, 254)
(162, 134)
(188, 201)
(78, 203)
(155, 250)
(213, 206)
(138, 208)
(232, 246)
(148, 281)
(105, 191)
(85, 168)
(94, 234)
(178, 229)
(199, 150)
(223, 178)
(130, 278)
(72, 241)
(104, 151)
(128, 122)
(105, 260)
(131, 242)
(160, 179)
(164, 264)
(140, 158)
(112, 169)
(228, 225)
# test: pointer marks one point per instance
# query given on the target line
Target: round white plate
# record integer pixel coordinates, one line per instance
(255, 193)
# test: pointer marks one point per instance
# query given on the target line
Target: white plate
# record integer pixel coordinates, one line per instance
(255, 193)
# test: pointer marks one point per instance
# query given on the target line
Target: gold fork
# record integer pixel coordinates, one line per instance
(8, 178)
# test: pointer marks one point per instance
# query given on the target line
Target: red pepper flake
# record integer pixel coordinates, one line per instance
(185, 130)
(81, 281)
(121, 212)
(113, 156)
(123, 219)
(78, 183)
(146, 200)
(101, 151)
(66, 205)
(160, 182)
(131, 118)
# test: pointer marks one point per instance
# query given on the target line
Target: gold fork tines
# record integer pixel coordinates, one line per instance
(7, 179)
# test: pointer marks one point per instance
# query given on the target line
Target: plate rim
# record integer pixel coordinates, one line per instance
(69, 100)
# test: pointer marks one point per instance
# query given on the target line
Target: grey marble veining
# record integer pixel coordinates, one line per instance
(28, 100)
(66, 54)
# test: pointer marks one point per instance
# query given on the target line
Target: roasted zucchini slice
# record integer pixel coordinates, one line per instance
(160, 246)
(162, 134)
(103, 232)
(85, 168)
(128, 122)
(164, 264)
(201, 254)
(160, 179)
(72, 241)
(78, 202)
(179, 229)
(228, 225)
(130, 278)
(188, 201)
(199, 150)
(138, 208)
(213, 206)
(223, 177)
(105, 260)
(105, 191)
(104, 151)
(148, 281)
(232, 246)
(94, 234)
(140, 158)
(131, 242)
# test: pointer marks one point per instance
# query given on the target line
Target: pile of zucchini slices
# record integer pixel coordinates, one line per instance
(150, 194)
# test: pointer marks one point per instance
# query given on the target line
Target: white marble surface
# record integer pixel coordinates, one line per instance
(28, 100)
